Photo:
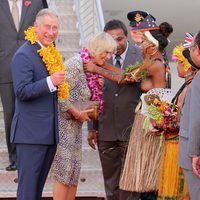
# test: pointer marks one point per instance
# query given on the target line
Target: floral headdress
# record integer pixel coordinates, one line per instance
(52, 60)
(178, 52)
(178, 55)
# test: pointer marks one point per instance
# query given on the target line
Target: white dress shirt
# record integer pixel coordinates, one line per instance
(19, 5)
(122, 57)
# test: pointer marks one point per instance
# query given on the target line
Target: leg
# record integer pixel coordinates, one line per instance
(50, 153)
(30, 166)
(149, 196)
(193, 183)
(122, 193)
(60, 191)
(71, 193)
(111, 156)
(8, 103)
(63, 192)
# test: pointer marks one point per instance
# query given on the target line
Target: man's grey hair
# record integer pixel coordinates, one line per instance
(43, 13)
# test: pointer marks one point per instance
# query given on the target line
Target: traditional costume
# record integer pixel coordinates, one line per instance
(172, 184)
(142, 163)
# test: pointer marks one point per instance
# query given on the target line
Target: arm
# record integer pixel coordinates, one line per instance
(194, 123)
(74, 69)
(73, 66)
(194, 126)
(107, 71)
(26, 88)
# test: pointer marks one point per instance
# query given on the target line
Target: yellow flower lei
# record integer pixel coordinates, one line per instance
(178, 52)
(52, 60)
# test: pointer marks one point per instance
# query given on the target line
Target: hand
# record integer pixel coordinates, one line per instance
(101, 81)
(89, 67)
(156, 125)
(92, 139)
(196, 165)
(82, 117)
(58, 78)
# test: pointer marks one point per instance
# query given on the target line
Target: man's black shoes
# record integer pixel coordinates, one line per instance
(12, 167)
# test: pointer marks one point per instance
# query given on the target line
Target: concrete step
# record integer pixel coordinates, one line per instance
(2, 138)
(68, 54)
(68, 22)
(90, 159)
(90, 184)
(68, 40)
(62, 6)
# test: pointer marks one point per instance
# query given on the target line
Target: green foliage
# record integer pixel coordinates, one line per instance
(142, 74)
(131, 68)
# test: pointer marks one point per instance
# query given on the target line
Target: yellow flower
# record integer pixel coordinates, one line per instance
(178, 52)
(163, 106)
(30, 35)
(52, 60)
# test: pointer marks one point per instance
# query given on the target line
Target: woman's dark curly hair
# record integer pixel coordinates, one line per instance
(162, 34)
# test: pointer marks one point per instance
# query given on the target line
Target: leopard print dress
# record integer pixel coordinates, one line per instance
(67, 162)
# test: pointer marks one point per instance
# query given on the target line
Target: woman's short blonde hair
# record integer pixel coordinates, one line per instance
(100, 43)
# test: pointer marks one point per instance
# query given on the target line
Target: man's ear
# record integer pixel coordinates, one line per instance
(198, 51)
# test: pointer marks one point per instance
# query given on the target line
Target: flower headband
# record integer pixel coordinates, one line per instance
(178, 55)
(178, 52)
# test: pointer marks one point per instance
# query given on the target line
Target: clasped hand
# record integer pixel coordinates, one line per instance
(196, 165)
(58, 78)
(89, 67)
(83, 116)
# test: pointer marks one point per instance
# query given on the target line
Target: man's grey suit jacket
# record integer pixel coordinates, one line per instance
(119, 103)
(10, 39)
(189, 134)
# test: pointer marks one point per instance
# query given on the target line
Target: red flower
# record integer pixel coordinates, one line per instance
(27, 3)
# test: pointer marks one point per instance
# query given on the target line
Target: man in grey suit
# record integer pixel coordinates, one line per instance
(118, 114)
(189, 135)
(15, 17)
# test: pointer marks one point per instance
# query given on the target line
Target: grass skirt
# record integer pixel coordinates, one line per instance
(172, 185)
(142, 163)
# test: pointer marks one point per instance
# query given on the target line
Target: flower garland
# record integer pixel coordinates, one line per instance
(92, 80)
(52, 60)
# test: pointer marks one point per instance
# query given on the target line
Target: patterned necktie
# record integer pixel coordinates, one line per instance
(117, 63)
(15, 14)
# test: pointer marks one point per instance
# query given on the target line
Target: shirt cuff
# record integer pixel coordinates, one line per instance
(52, 88)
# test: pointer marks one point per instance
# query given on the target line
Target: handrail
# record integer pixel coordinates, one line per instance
(90, 18)
(100, 17)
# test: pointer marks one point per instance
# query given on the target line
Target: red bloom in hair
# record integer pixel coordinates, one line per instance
(27, 3)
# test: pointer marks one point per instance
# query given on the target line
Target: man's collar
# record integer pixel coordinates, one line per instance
(42, 46)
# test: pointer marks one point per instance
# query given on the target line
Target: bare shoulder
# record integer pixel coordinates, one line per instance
(157, 67)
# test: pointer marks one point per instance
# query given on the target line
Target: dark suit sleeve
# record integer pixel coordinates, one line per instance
(44, 3)
(194, 116)
(93, 125)
(25, 87)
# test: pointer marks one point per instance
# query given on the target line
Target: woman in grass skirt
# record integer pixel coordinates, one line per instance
(142, 163)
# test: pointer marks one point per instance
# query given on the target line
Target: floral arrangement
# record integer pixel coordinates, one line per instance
(93, 81)
(136, 72)
(52, 60)
(161, 114)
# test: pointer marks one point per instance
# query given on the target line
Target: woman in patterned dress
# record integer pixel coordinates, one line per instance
(67, 161)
